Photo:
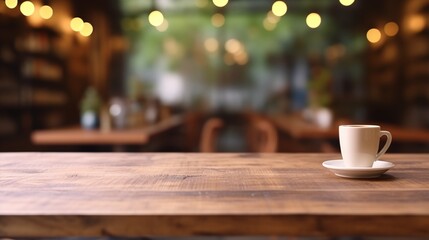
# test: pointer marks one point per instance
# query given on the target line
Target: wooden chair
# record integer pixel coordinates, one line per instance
(209, 134)
(260, 135)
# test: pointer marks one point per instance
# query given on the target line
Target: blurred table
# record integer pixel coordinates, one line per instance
(79, 136)
(183, 194)
(297, 127)
(300, 135)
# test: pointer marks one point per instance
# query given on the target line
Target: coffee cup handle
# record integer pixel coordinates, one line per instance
(386, 145)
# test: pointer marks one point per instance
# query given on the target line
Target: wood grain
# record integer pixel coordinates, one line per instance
(181, 194)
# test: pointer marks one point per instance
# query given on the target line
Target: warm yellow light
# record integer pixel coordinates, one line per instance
(220, 3)
(46, 12)
(163, 27)
(347, 2)
(233, 45)
(27, 8)
(241, 58)
(87, 29)
(218, 20)
(156, 18)
(76, 24)
(313, 20)
(373, 35)
(279, 8)
(211, 45)
(391, 29)
(416, 23)
(11, 3)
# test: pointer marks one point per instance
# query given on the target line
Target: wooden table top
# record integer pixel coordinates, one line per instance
(182, 194)
(79, 136)
(298, 128)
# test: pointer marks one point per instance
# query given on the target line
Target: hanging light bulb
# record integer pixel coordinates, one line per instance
(76, 24)
(87, 29)
(313, 20)
(46, 12)
(156, 18)
(220, 3)
(347, 2)
(11, 3)
(373, 35)
(27, 8)
(279, 8)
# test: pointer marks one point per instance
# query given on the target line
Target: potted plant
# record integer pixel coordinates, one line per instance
(90, 109)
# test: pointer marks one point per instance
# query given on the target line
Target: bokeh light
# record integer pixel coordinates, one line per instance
(211, 44)
(391, 29)
(218, 20)
(27, 8)
(156, 18)
(416, 23)
(76, 24)
(163, 27)
(347, 2)
(46, 12)
(268, 25)
(11, 3)
(220, 3)
(373, 35)
(272, 18)
(313, 20)
(279, 8)
(233, 45)
(87, 29)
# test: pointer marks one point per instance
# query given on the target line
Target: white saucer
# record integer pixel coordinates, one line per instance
(337, 167)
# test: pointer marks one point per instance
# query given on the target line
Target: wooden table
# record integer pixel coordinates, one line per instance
(298, 135)
(298, 128)
(172, 194)
(79, 136)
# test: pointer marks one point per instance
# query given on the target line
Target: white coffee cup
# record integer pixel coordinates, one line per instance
(359, 144)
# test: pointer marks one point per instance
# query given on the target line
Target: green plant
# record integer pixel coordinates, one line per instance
(90, 101)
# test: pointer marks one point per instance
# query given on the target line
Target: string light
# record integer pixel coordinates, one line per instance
(87, 29)
(373, 35)
(347, 2)
(220, 3)
(156, 18)
(76, 24)
(11, 3)
(313, 20)
(27, 8)
(46, 12)
(279, 8)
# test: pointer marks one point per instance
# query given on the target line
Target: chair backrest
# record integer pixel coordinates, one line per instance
(209, 134)
(263, 136)
(259, 135)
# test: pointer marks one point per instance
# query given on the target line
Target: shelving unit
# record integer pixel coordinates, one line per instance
(33, 89)
(416, 65)
(398, 68)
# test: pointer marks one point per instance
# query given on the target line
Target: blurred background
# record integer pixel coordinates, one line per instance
(212, 76)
